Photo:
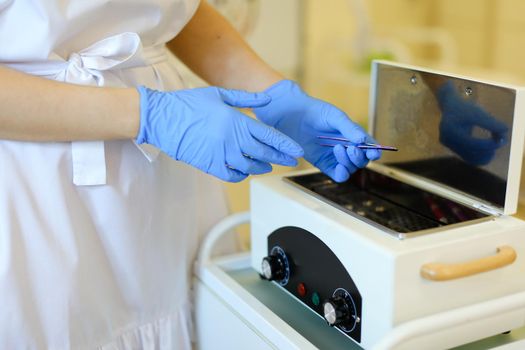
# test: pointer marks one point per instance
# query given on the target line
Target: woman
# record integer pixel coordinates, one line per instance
(97, 237)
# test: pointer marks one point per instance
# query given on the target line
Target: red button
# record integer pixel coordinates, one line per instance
(301, 289)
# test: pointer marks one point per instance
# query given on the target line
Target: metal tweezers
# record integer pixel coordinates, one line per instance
(346, 143)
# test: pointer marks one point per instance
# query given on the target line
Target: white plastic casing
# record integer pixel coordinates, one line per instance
(387, 270)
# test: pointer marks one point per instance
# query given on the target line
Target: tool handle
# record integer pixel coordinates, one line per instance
(505, 255)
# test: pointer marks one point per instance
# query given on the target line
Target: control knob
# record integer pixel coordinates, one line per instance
(336, 311)
(275, 266)
(339, 310)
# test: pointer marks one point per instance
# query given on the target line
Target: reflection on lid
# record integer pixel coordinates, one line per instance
(453, 131)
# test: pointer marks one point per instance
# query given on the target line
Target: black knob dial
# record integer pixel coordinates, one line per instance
(273, 268)
(336, 311)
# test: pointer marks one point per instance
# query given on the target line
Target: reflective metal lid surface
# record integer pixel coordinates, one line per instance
(462, 134)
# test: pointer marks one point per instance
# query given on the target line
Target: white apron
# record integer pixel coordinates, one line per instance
(97, 240)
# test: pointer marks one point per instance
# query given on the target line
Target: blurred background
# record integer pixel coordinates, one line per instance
(327, 46)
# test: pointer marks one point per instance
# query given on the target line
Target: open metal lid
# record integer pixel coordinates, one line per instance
(459, 137)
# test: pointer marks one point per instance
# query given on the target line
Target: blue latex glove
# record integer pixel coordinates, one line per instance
(459, 119)
(200, 127)
(303, 118)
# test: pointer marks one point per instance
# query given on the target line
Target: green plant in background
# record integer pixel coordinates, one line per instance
(366, 62)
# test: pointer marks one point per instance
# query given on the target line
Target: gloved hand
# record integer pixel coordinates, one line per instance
(303, 118)
(200, 127)
(459, 119)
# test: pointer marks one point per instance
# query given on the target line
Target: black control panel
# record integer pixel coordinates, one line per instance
(302, 264)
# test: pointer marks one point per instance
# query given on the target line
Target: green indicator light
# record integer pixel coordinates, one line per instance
(315, 299)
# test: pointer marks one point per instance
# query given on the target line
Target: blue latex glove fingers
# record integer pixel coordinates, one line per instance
(334, 121)
(247, 165)
(338, 121)
(265, 153)
(357, 156)
(351, 158)
(230, 174)
(372, 154)
(344, 167)
(340, 173)
(287, 148)
(328, 164)
(211, 164)
(258, 143)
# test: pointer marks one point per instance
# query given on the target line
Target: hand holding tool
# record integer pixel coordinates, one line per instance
(303, 117)
(347, 143)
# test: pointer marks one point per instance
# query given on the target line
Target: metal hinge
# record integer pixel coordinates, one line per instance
(487, 209)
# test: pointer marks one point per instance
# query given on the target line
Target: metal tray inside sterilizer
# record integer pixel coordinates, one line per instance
(392, 205)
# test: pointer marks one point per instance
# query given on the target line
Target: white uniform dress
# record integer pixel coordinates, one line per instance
(97, 240)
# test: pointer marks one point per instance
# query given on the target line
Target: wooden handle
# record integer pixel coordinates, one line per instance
(505, 255)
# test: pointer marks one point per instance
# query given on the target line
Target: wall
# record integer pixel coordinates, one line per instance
(481, 38)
